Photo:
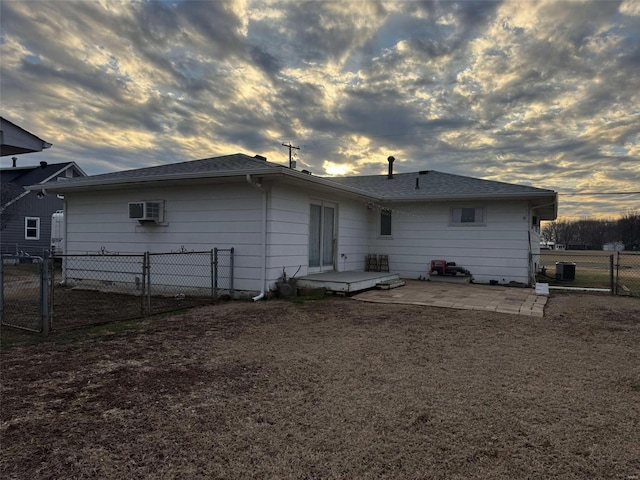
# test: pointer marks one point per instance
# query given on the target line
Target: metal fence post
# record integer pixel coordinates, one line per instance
(143, 285)
(231, 292)
(213, 297)
(52, 290)
(617, 273)
(44, 295)
(148, 263)
(215, 274)
(1, 288)
(611, 274)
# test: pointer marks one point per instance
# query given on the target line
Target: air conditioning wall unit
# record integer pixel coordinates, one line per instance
(149, 211)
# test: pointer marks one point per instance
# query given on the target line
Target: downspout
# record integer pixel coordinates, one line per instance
(65, 250)
(263, 267)
(532, 274)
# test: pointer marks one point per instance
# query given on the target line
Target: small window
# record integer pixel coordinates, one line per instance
(32, 228)
(385, 223)
(467, 216)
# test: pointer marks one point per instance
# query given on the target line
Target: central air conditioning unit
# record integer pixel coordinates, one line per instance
(147, 211)
(565, 271)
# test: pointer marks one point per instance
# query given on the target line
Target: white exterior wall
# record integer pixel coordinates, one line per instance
(197, 217)
(497, 250)
(288, 231)
(201, 217)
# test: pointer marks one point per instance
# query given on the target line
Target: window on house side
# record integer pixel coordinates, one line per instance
(468, 216)
(32, 228)
(385, 223)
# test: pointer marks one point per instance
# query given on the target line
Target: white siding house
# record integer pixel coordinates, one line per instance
(277, 218)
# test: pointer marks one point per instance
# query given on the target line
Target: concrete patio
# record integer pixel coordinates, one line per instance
(518, 301)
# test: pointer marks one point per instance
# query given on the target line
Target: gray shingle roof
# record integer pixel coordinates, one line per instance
(235, 162)
(30, 175)
(434, 184)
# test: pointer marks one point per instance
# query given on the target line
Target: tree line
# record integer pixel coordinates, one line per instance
(593, 234)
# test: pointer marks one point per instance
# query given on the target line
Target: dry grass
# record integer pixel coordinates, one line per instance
(332, 389)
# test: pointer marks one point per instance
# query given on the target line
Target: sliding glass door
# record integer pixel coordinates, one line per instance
(322, 220)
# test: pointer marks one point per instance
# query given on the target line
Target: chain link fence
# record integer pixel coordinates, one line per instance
(628, 274)
(21, 250)
(98, 288)
(23, 292)
(618, 272)
(577, 269)
(68, 291)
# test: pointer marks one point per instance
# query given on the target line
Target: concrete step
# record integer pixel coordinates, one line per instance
(389, 284)
(450, 278)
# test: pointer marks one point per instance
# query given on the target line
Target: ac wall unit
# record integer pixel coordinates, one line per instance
(146, 211)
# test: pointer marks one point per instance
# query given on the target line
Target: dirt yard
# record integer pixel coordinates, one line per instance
(331, 389)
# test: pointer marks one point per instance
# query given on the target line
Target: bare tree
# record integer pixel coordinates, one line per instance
(629, 229)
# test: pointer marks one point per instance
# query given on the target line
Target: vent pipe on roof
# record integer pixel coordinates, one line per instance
(417, 183)
(390, 160)
(43, 164)
(14, 160)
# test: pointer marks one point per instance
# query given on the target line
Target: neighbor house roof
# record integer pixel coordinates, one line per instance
(432, 185)
(15, 140)
(16, 179)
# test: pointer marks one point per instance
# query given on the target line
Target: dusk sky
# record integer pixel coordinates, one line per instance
(537, 93)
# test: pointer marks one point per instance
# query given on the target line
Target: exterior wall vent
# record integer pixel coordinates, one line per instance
(147, 211)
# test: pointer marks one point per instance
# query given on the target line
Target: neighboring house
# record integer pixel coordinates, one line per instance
(551, 246)
(276, 217)
(15, 140)
(25, 215)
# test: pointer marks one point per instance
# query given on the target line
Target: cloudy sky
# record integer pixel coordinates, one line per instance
(538, 93)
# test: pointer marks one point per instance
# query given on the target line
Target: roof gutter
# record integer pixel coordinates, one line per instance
(553, 204)
(263, 266)
(482, 196)
(93, 184)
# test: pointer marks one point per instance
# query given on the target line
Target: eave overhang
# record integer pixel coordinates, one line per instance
(545, 201)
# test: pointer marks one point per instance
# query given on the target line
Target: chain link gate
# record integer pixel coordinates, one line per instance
(25, 292)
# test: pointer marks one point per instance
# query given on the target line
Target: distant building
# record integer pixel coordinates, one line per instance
(613, 247)
(551, 246)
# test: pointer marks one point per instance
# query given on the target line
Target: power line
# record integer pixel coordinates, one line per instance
(601, 193)
(290, 147)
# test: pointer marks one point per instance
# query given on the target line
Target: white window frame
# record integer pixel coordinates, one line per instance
(457, 221)
(27, 228)
(390, 213)
(535, 223)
